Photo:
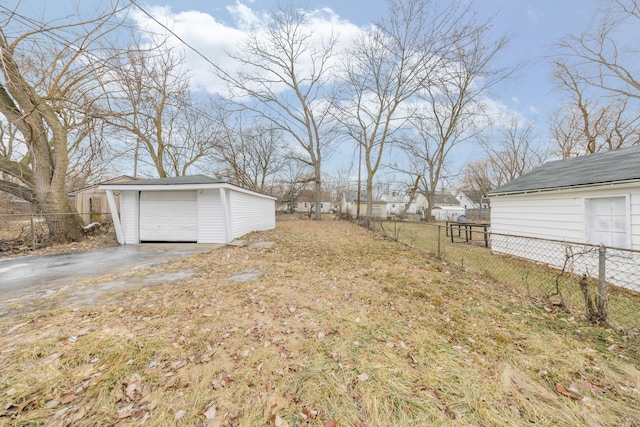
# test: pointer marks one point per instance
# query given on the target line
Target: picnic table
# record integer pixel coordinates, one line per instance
(455, 229)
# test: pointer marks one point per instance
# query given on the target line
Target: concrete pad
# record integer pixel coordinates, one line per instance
(39, 273)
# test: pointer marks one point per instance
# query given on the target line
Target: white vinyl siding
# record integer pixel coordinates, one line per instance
(203, 213)
(561, 215)
(607, 221)
(250, 213)
(168, 216)
(129, 216)
(211, 226)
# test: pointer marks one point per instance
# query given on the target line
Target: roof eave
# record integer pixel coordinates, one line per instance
(166, 187)
(567, 187)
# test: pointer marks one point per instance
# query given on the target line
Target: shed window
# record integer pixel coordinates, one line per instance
(607, 221)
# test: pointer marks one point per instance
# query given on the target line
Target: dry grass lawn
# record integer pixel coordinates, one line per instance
(343, 328)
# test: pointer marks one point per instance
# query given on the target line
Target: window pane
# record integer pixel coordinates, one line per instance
(606, 221)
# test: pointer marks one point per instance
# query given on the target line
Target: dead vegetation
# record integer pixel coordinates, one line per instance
(340, 328)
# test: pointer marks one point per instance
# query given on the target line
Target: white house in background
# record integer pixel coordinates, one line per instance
(187, 209)
(349, 205)
(466, 202)
(446, 207)
(306, 201)
(593, 199)
(396, 202)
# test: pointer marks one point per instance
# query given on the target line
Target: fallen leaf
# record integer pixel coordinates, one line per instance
(181, 413)
(211, 412)
(330, 423)
(68, 398)
(563, 391)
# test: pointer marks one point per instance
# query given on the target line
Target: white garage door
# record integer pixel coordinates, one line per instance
(168, 216)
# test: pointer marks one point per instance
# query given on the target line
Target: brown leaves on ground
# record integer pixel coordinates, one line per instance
(342, 327)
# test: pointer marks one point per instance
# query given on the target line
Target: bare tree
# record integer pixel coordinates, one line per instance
(510, 154)
(423, 67)
(248, 156)
(284, 70)
(451, 104)
(513, 152)
(385, 68)
(48, 92)
(590, 123)
(478, 179)
(600, 73)
(603, 61)
(151, 97)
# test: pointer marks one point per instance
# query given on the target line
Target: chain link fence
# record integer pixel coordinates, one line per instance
(596, 283)
(30, 231)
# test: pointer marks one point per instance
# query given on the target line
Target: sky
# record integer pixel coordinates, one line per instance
(532, 26)
(211, 26)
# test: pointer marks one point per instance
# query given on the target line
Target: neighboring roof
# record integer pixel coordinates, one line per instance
(445, 199)
(351, 196)
(118, 179)
(310, 196)
(617, 166)
(189, 182)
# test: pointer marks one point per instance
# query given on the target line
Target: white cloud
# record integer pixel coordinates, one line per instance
(246, 19)
(533, 14)
(214, 38)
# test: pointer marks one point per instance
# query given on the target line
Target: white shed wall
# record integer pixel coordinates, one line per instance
(250, 213)
(558, 215)
(211, 226)
(129, 215)
(223, 214)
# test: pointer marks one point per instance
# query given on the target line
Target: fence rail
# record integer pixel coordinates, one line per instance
(597, 283)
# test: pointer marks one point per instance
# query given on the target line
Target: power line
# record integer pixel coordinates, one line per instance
(203, 56)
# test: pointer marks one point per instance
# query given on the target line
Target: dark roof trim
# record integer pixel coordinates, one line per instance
(609, 167)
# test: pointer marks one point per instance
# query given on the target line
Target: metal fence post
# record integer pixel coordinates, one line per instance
(439, 233)
(602, 284)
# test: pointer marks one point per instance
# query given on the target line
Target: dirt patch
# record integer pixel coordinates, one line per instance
(343, 327)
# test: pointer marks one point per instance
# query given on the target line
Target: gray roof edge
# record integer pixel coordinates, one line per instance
(611, 166)
(496, 192)
(198, 181)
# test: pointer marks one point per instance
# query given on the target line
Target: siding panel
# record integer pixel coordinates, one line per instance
(129, 216)
(250, 213)
(211, 228)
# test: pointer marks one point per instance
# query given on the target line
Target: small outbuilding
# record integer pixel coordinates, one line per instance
(187, 209)
(591, 199)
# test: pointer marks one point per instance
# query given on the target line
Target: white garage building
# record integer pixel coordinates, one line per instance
(187, 209)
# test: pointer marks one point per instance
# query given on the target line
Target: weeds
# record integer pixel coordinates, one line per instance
(343, 327)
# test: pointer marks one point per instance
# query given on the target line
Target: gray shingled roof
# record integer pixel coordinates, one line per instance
(178, 180)
(606, 167)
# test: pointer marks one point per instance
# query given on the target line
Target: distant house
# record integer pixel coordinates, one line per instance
(592, 199)
(466, 202)
(396, 203)
(350, 205)
(187, 209)
(91, 201)
(306, 201)
(446, 207)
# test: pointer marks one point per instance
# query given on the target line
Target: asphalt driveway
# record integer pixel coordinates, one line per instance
(33, 273)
